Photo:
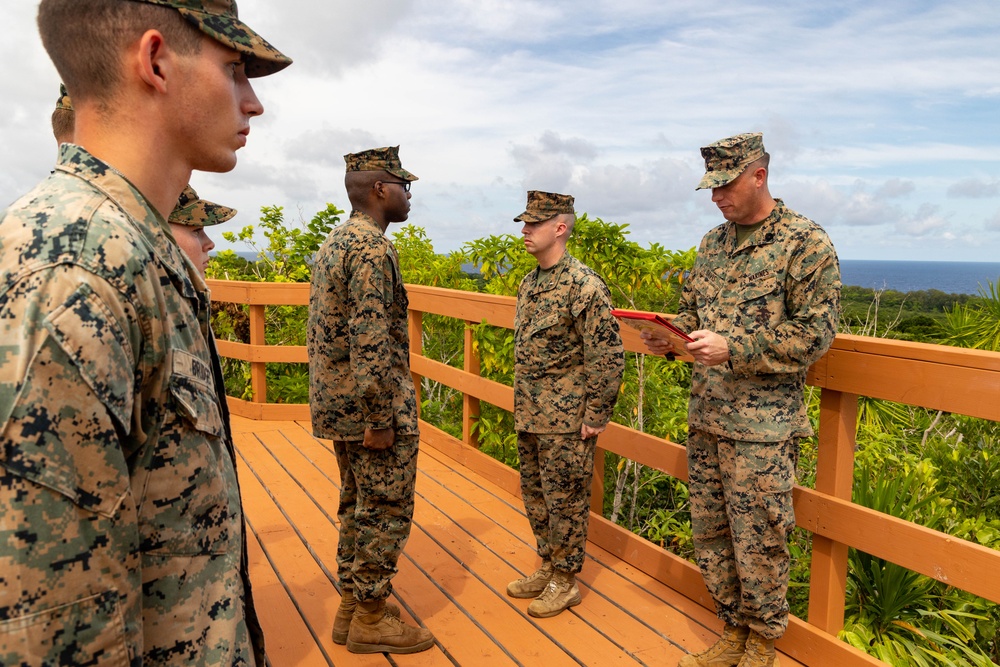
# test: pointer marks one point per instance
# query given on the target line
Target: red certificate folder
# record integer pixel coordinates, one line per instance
(657, 325)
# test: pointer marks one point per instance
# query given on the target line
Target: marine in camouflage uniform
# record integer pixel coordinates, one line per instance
(121, 530)
(766, 287)
(360, 386)
(568, 367)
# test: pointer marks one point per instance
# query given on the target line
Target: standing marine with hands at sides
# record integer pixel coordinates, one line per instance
(121, 530)
(568, 365)
(362, 398)
(762, 304)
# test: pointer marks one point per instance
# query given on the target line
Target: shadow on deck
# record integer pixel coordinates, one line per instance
(470, 538)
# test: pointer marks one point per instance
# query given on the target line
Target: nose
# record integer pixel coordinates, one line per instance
(209, 244)
(250, 105)
(525, 229)
(716, 194)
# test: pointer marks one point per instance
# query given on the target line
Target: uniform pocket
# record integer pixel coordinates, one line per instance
(90, 631)
(194, 393)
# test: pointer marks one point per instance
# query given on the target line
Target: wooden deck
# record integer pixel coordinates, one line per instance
(470, 538)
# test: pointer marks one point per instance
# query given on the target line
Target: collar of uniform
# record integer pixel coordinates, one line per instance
(552, 278)
(365, 218)
(76, 160)
(765, 233)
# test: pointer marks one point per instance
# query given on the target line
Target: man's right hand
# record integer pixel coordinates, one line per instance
(659, 346)
(379, 439)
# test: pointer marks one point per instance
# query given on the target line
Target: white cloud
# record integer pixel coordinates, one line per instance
(993, 222)
(975, 188)
(872, 112)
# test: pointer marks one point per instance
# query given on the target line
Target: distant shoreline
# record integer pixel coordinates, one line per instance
(915, 276)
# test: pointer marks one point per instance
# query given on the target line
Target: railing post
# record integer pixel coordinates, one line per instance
(470, 404)
(416, 332)
(258, 369)
(834, 476)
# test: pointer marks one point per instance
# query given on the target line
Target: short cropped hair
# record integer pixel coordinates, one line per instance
(63, 123)
(83, 39)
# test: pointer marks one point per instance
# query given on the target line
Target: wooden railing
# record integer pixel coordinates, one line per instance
(930, 376)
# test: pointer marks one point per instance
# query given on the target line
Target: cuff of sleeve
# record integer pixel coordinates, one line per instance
(743, 354)
(378, 421)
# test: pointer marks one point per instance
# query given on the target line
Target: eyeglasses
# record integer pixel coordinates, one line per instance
(405, 184)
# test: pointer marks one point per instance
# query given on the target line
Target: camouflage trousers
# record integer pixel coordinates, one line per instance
(741, 516)
(375, 512)
(556, 471)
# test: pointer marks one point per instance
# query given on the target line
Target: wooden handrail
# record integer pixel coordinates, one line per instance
(929, 376)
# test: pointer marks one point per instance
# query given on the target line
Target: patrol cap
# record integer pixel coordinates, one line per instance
(545, 205)
(379, 159)
(728, 158)
(219, 20)
(64, 102)
(194, 212)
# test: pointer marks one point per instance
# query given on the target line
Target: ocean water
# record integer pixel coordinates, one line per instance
(907, 276)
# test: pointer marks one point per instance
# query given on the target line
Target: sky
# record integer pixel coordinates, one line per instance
(882, 118)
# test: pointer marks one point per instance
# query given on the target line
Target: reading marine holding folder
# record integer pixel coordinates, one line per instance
(568, 364)
(762, 304)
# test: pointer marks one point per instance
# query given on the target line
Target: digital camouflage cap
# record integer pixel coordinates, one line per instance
(544, 205)
(728, 158)
(379, 159)
(219, 20)
(194, 212)
(64, 102)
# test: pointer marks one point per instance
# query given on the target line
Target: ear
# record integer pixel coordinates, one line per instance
(154, 60)
(759, 176)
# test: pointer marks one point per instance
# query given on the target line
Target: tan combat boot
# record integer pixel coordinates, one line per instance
(532, 585)
(760, 652)
(345, 612)
(560, 593)
(727, 652)
(374, 630)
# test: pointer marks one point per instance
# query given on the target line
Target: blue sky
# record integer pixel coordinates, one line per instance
(881, 118)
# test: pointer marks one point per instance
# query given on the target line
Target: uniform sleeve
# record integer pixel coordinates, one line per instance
(812, 311)
(68, 536)
(371, 287)
(687, 319)
(603, 353)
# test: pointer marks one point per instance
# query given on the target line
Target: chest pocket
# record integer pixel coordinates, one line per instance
(192, 386)
(758, 290)
(542, 323)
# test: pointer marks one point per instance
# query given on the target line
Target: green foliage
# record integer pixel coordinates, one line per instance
(976, 325)
(287, 257)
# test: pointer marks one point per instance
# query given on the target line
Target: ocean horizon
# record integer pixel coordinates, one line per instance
(914, 276)
(898, 275)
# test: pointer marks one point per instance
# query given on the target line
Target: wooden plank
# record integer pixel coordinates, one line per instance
(271, 354)
(484, 593)
(469, 306)
(609, 604)
(835, 477)
(649, 450)
(929, 352)
(257, 293)
(451, 603)
(496, 393)
(268, 411)
(286, 636)
(489, 468)
(948, 559)
(952, 388)
(309, 586)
